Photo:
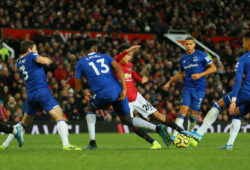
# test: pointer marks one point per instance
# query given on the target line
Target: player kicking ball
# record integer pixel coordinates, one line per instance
(99, 69)
(38, 93)
(238, 100)
(194, 66)
(137, 102)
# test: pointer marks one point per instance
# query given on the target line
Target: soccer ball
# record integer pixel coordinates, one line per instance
(181, 141)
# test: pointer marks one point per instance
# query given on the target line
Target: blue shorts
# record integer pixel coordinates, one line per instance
(40, 99)
(243, 101)
(192, 98)
(105, 99)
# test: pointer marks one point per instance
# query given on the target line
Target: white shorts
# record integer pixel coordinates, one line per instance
(142, 106)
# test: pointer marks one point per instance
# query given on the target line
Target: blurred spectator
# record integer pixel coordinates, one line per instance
(3, 115)
(12, 107)
(4, 52)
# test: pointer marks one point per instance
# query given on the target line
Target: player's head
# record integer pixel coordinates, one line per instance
(27, 46)
(126, 59)
(91, 46)
(246, 41)
(189, 45)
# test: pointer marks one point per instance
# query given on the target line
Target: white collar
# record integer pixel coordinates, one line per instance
(91, 53)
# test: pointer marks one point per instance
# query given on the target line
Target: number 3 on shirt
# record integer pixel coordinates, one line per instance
(26, 76)
(104, 67)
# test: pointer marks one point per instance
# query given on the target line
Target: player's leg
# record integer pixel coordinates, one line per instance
(140, 132)
(6, 128)
(184, 108)
(26, 121)
(50, 105)
(122, 108)
(91, 121)
(236, 124)
(212, 115)
(181, 117)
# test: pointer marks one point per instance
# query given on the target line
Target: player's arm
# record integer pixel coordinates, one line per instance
(211, 69)
(238, 78)
(78, 85)
(125, 52)
(139, 78)
(120, 74)
(43, 60)
(176, 77)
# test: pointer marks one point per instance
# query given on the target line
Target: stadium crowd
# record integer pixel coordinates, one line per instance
(158, 59)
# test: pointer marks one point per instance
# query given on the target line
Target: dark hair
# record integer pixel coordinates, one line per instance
(189, 38)
(90, 44)
(25, 45)
(247, 35)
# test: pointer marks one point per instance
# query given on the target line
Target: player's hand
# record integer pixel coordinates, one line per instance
(232, 107)
(166, 86)
(123, 95)
(196, 76)
(49, 61)
(133, 48)
(144, 80)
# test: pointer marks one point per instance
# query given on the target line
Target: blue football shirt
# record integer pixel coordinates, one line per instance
(242, 67)
(97, 69)
(192, 64)
(32, 72)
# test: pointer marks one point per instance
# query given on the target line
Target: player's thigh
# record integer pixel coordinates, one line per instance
(143, 107)
(97, 102)
(121, 107)
(56, 113)
(46, 100)
(131, 107)
(196, 101)
(185, 101)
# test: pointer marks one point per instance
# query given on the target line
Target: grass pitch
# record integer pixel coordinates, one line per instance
(124, 151)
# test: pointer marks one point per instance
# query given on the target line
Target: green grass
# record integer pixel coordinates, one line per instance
(124, 151)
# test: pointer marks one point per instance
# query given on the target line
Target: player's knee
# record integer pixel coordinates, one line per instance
(221, 103)
(183, 111)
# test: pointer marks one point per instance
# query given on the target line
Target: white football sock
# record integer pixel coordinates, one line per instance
(179, 122)
(91, 120)
(8, 140)
(234, 130)
(140, 123)
(63, 131)
(209, 120)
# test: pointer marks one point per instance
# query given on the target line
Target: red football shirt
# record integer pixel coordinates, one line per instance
(129, 75)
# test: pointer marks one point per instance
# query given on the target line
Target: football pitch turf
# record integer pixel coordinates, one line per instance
(124, 151)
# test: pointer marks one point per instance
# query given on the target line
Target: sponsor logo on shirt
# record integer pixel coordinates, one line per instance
(190, 66)
(195, 59)
(126, 75)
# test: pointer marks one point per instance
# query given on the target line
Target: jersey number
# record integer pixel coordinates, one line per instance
(25, 73)
(104, 67)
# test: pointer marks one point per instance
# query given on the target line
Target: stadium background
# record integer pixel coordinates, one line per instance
(218, 24)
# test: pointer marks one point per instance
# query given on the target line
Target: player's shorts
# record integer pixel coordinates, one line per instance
(142, 106)
(192, 98)
(243, 101)
(40, 99)
(107, 98)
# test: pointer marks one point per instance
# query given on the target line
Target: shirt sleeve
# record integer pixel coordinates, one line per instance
(110, 59)
(136, 76)
(206, 59)
(78, 73)
(34, 56)
(239, 69)
(120, 56)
